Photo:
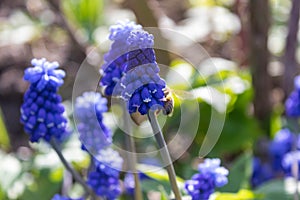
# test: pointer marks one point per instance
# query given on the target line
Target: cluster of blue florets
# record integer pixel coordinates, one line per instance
(104, 175)
(279, 153)
(143, 88)
(261, 172)
(130, 69)
(281, 145)
(42, 110)
(115, 60)
(210, 176)
(292, 104)
(89, 109)
(59, 197)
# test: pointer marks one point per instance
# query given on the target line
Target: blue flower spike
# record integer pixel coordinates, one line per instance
(289, 160)
(292, 104)
(89, 109)
(104, 176)
(210, 176)
(143, 88)
(42, 110)
(116, 59)
(281, 144)
(59, 197)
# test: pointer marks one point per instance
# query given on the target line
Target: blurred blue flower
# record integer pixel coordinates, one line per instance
(59, 197)
(261, 173)
(288, 160)
(115, 60)
(143, 88)
(89, 109)
(104, 175)
(292, 104)
(42, 111)
(210, 176)
(281, 144)
(129, 183)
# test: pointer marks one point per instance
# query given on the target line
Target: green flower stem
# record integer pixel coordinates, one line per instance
(74, 173)
(132, 160)
(164, 153)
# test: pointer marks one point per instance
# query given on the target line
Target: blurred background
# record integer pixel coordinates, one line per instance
(253, 43)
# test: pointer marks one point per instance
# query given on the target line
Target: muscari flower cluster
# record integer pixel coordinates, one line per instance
(262, 172)
(96, 138)
(104, 176)
(292, 104)
(115, 60)
(143, 88)
(280, 151)
(42, 111)
(89, 109)
(289, 160)
(59, 197)
(210, 176)
(130, 69)
(281, 144)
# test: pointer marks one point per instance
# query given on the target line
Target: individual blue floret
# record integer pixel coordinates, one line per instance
(210, 176)
(89, 109)
(42, 110)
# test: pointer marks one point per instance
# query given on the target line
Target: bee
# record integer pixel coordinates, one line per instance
(168, 102)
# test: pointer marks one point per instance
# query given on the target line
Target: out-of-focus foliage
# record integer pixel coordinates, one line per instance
(36, 173)
(240, 195)
(39, 175)
(276, 190)
(4, 139)
(240, 174)
(85, 14)
(222, 78)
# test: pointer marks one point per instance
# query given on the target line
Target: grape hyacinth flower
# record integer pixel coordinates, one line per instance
(281, 144)
(104, 175)
(210, 176)
(115, 60)
(89, 109)
(129, 184)
(59, 197)
(292, 104)
(143, 87)
(42, 110)
(288, 160)
(262, 172)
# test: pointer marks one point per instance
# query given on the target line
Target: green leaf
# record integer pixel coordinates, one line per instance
(274, 190)
(159, 177)
(241, 195)
(4, 139)
(157, 173)
(85, 14)
(163, 193)
(239, 174)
